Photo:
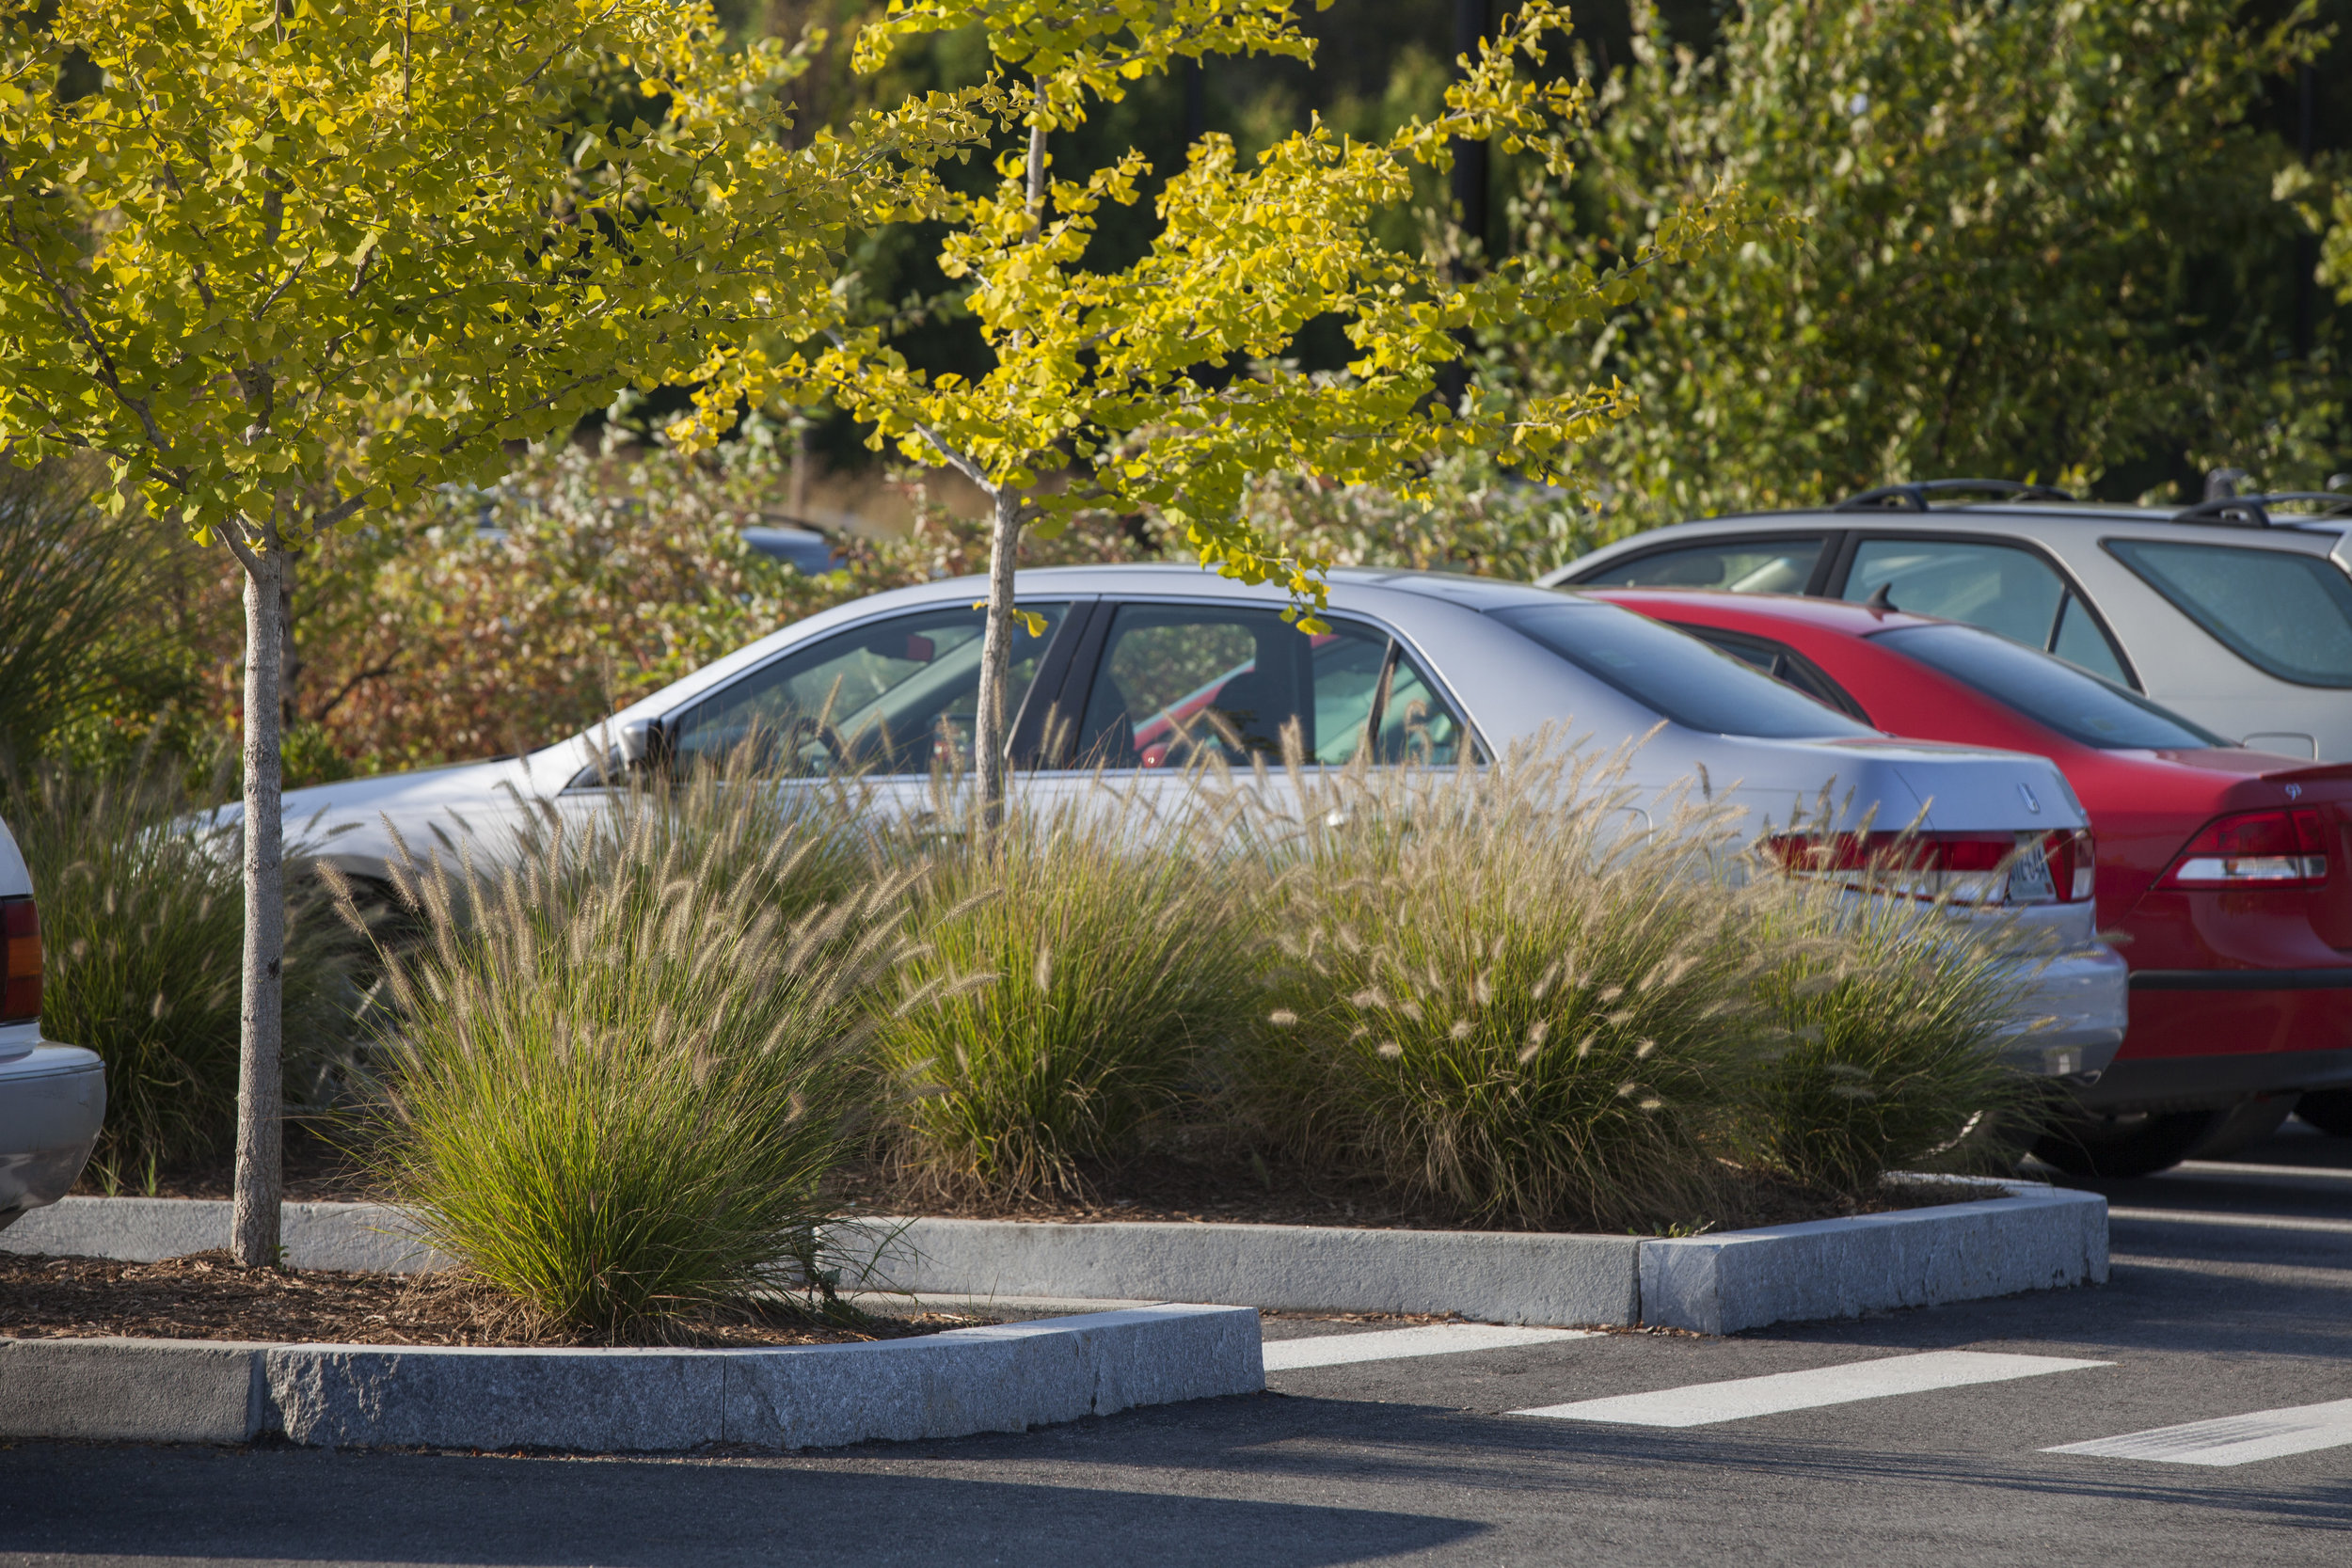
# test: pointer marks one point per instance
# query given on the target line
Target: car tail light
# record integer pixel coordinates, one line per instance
(1975, 868)
(20, 961)
(2074, 864)
(2254, 848)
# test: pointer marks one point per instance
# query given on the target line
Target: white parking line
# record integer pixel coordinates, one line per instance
(1389, 1344)
(2235, 1167)
(1705, 1403)
(2233, 1222)
(2232, 1439)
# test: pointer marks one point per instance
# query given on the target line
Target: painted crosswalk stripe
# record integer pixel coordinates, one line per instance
(1389, 1344)
(1706, 1403)
(2232, 1439)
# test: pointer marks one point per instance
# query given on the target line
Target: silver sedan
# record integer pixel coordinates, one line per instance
(1139, 666)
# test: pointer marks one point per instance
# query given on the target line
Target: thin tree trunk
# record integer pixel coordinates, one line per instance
(991, 723)
(290, 658)
(259, 1172)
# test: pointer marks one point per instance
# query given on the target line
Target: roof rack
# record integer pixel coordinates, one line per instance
(2254, 510)
(1914, 496)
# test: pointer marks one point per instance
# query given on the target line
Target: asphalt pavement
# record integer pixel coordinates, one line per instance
(1915, 1437)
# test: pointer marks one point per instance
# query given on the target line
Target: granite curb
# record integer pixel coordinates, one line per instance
(2022, 1236)
(1005, 1377)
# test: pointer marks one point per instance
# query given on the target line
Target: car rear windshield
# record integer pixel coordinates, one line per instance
(2051, 692)
(1674, 675)
(2285, 613)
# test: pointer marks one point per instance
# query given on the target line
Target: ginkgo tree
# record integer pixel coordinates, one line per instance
(288, 260)
(1163, 385)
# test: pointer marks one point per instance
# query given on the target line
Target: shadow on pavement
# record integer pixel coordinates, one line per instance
(296, 1505)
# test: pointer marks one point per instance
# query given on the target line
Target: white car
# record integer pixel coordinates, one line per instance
(2236, 612)
(53, 1097)
(1420, 666)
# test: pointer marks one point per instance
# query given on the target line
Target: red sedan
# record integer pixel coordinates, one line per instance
(2229, 870)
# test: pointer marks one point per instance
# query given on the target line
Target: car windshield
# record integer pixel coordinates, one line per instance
(2286, 613)
(2049, 691)
(1676, 676)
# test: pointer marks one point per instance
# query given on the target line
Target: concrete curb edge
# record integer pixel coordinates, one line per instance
(2021, 1236)
(1006, 1377)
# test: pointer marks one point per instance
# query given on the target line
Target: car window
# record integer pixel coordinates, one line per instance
(2286, 613)
(1416, 724)
(1742, 565)
(2082, 641)
(894, 696)
(2048, 690)
(1173, 680)
(1780, 661)
(1674, 675)
(1999, 587)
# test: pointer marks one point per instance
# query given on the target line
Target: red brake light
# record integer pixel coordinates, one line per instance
(1983, 868)
(2254, 848)
(20, 961)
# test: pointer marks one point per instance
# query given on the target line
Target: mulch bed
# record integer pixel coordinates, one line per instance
(1171, 1188)
(207, 1296)
(1167, 1187)
(317, 1171)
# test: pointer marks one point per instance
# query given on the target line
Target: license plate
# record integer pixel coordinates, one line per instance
(2029, 875)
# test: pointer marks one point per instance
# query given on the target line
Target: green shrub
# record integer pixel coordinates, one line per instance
(1490, 996)
(1071, 976)
(624, 1065)
(143, 930)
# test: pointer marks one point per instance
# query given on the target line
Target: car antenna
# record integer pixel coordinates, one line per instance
(1882, 599)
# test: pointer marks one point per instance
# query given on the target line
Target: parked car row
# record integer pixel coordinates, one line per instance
(1141, 665)
(2083, 718)
(2226, 863)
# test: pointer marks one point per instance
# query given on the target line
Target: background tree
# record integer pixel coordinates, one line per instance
(2032, 240)
(1160, 383)
(280, 261)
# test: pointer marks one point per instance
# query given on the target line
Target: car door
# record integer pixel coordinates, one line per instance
(891, 701)
(1156, 684)
(2006, 587)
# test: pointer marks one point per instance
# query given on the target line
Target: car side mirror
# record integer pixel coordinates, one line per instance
(641, 744)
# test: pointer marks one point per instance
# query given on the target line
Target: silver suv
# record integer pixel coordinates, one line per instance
(52, 1096)
(2236, 612)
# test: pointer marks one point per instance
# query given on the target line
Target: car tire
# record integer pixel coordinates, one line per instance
(2330, 1110)
(2250, 1122)
(2130, 1145)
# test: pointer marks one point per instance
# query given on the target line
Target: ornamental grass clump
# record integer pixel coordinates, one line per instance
(1888, 1018)
(625, 1062)
(1075, 970)
(142, 916)
(1490, 991)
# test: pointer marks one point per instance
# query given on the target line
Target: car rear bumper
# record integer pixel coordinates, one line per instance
(2071, 1013)
(2207, 1083)
(52, 1103)
(2334, 977)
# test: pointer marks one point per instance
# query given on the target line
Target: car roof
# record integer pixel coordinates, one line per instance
(1458, 587)
(1840, 615)
(2283, 525)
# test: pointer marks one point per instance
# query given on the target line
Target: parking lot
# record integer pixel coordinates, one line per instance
(1912, 1437)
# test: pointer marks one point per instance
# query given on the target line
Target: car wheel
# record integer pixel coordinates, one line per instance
(2131, 1144)
(2248, 1123)
(2330, 1110)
